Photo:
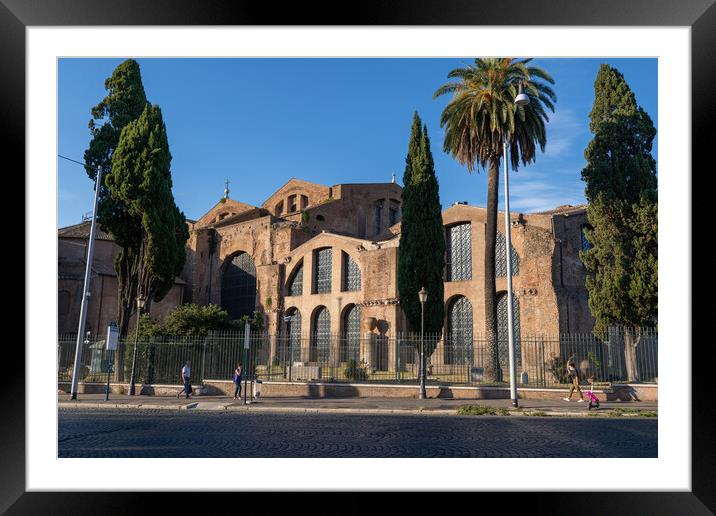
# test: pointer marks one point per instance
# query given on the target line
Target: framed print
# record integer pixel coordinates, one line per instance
(51, 48)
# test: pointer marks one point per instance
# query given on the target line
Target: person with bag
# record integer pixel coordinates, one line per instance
(186, 379)
(573, 376)
(237, 381)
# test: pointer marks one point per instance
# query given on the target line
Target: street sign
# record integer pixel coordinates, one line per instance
(112, 337)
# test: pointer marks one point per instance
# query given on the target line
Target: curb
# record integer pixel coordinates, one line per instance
(147, 406)
(320, 410)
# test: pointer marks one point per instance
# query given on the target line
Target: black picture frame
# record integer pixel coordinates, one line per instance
(699, 15)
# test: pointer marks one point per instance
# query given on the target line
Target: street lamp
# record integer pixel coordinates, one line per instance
(521, 100)
(140, 304)
(423, 296)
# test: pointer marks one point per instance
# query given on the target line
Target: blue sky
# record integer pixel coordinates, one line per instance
(260, 122)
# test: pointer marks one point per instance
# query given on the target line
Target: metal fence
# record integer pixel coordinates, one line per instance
(541, 360)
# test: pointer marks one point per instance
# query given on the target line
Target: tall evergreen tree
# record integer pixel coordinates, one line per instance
(621, 187)
(125, 102)
(421, 258)
(153, 232)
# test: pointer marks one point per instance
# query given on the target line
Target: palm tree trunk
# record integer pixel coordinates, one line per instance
(493, 371)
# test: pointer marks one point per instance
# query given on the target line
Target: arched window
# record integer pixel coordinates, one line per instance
(394, 212)
(586, 244)
(321, 337)
(63, 302)
(502, 336)
(238, 286)
(350, 344)
(458, 346)
(500, 262)
(304, 202)
(290, 350)
(295, 284)
(378, 212)
(322, 271)
(351, 274)
(458, 259)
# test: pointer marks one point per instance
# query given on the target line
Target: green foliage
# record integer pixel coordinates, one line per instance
(478, 120)
(193, 320)
(148, 328)
(557, 366)
(136, 205)
(621, 187)
(482, 111)
(355, 371)
(304, 217)
(481, 410)
(421, 257)
(255, 320)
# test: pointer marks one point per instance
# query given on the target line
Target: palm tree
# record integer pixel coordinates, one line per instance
(479, 118)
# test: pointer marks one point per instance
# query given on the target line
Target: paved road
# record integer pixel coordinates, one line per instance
(147, 433)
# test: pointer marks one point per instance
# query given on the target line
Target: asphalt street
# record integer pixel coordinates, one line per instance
(157, 433)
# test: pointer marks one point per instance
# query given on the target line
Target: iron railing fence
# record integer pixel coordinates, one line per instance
(541, 360)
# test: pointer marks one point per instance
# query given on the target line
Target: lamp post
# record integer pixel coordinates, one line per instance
(423, 296)
(520, 100)
(140, 304)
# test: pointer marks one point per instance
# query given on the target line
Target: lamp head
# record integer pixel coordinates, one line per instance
(423, 295)
(522, 99)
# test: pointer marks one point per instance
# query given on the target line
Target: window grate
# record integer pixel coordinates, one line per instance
(238, 286)
(295, 287)
(323, 271)
(458, 263)
(351, 274)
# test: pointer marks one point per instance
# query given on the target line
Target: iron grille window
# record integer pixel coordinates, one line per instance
(459, 344)
(351, 330)
(458, 263)
(500, 262)
(322, 273)
(502, 336)
(378, 216)
(586, 244)
(295, 286)
(238, 286)
(351, 274)
(293, 331)
(321, 345)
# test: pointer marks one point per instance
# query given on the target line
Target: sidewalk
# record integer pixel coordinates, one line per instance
(445, 407)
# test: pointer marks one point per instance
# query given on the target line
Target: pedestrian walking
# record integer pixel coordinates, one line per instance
(186, 379)
(573, 375)
(237, 381)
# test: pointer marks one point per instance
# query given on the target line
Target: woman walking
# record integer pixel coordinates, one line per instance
(237, 381)
(573, 375)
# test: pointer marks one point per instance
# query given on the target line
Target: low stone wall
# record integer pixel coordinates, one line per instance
(618, 392)
(123, 388)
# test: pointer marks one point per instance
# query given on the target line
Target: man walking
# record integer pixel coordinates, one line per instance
(186, 379)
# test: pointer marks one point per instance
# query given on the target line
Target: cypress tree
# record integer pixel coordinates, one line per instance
(621, 187)
(421, 258)
(155, 232)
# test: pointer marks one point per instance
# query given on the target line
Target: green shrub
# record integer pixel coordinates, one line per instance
(481, 410)
(355, 371)
(557, 366)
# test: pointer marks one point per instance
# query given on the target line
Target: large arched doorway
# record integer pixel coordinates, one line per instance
(350, 343)
(321, 336)
(458, 345)
(502, 335)
(238, 285)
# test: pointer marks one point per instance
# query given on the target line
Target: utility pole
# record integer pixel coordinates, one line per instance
(85, 290)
